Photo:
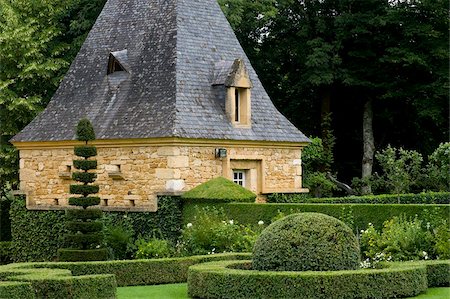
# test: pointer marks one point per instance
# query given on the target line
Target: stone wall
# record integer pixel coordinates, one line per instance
(130, 177)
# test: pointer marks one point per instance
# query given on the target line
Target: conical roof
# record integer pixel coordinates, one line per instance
(166, 52)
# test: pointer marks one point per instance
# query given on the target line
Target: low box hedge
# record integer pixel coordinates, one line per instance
(229, 279)
(24, 281)
(420, 198)
(438, 271)
(16, 290)
(360, 214)
(143, 272)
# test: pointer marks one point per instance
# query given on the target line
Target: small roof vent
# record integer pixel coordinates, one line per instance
(118, 62)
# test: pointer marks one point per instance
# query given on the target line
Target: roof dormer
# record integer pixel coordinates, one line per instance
(118, 62)
(234, 76)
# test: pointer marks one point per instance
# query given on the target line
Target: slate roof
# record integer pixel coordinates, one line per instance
(173, 48)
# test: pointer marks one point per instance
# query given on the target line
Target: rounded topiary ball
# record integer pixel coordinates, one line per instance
(306, 241)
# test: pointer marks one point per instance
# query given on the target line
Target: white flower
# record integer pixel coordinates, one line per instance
(231, 222)
(370, 224)
(125, 216)
(363, 231)
(98, 246)
(428, 225)
(260, 222)
(189, 225)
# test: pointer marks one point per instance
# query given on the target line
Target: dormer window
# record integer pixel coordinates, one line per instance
(234, 76)
(118, 62)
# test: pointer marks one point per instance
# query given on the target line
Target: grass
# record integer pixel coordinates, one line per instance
(179, 291)
(435, 293)
(165, 291)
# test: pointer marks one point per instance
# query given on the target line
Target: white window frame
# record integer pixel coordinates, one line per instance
(239, 177)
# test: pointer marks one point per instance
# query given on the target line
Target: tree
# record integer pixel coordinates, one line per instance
(38, 41)
(384, 62)
(85, 235)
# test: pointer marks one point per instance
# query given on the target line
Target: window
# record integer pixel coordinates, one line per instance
(239, 177)
(237, 105)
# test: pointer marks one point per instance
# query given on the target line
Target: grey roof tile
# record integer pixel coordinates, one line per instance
(173, 48)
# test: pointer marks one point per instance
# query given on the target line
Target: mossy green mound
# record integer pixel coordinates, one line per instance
(306, 242)
(220, 190)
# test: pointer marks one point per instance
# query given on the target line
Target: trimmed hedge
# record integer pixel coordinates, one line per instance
(25, 281)
(143, 272)
(306, 242)
(226, 280)
(75, 255)
(5, 252)
(438, 271)
(421, 198)
(355, 215)
(36, 235)
(219, 189)
(16, 290)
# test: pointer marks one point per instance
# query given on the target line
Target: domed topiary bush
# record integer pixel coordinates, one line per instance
(306, 241)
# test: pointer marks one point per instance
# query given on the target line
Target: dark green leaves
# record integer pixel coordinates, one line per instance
(85, 151)
(85, 164)
(84, 201)
(85, 190)
(84, 177)
(85, 130)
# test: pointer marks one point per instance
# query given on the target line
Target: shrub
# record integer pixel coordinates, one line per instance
(5, 252)
(5, 223)
(304, 242)
(211, 232)
(438, 169)
(401, 169)
(229, 279)
(403, 239)
(119, 238)
(420, 198)
(153, 248)
(85, 233)
(220, 190)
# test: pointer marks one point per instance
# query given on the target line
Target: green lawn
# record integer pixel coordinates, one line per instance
(165, 291)
(179, 291)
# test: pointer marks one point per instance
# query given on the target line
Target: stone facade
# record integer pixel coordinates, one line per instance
(132, 175)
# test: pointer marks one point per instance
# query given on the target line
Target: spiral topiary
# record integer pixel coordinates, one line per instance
(306, 242)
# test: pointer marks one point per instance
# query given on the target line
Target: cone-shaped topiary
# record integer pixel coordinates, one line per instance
(85, 230)
(306, 242)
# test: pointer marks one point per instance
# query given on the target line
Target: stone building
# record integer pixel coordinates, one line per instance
(174, 101)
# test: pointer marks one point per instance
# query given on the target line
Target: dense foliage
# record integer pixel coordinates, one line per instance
(404, 239)
(36, 234)
(211, 232)
(317, 57)
(306, 242)
(357, 216)
(39, 40)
